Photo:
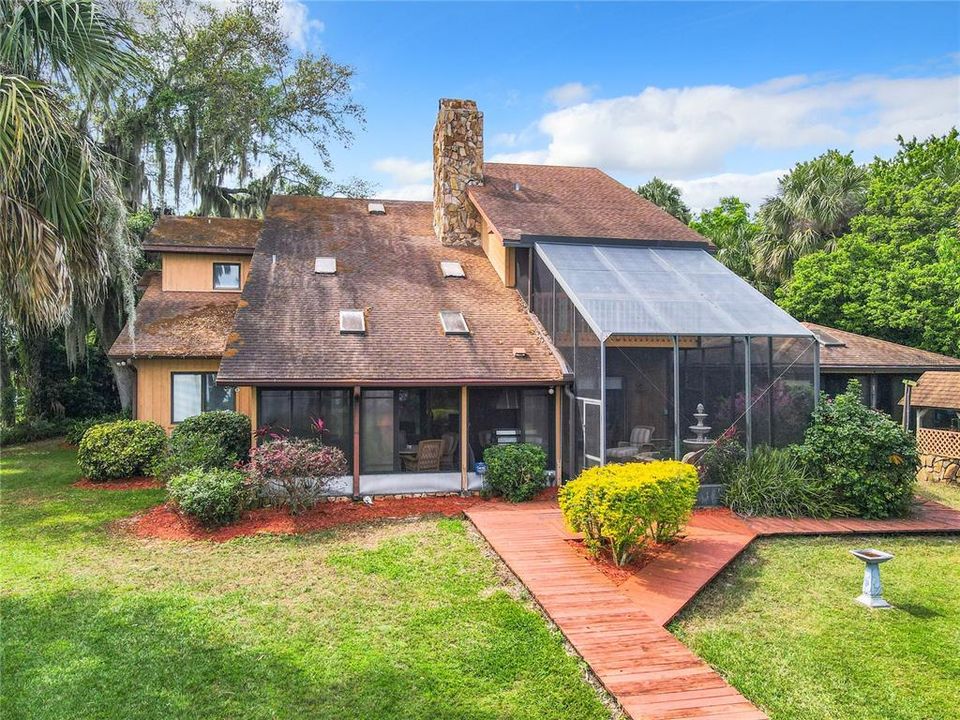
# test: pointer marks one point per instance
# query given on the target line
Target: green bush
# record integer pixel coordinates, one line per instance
(866, 458)
(720, 463)
(214, 497)
(515, 471)
(228, 430)
(77, 428)
(776, 482)
(124, 448)
(619, 508)
(31, 431)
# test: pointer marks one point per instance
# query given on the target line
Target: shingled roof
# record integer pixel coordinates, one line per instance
(177, 324)
(546, 201)
(937, 389)
(287, 327)
(842, 350)
(203, 234)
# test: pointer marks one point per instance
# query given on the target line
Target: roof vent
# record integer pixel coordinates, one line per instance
(352, 322)
(453, 323)
(325, 266)
(516, 187)
(376, 208)
(520, 353)
(449, 268)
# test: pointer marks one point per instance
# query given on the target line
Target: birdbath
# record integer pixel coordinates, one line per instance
(872, 591)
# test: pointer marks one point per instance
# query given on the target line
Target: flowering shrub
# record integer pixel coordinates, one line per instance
(294, 472)
(869, 461)
(619, 508)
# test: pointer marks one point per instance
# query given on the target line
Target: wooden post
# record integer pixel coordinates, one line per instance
(356, 442)
(464, 439)
(558, 432)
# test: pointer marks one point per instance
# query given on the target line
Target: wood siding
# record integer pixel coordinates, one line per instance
(194, 271)
(154, 388)
(499, 256)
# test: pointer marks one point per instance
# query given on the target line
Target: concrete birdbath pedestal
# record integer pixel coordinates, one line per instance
(872, 591)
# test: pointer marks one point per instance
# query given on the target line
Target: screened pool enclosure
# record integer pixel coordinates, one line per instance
(650, 334)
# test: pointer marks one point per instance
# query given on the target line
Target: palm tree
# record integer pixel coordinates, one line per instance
(667, 197)
(63, 240)
(813, 207)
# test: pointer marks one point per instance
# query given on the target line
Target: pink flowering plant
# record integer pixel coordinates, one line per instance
(294, 472)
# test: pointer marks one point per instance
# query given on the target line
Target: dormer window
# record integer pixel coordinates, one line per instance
(453, 323)
(226, 276)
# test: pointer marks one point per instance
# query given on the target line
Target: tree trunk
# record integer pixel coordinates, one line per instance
(8, 406)
(109, 323)
(33, 349)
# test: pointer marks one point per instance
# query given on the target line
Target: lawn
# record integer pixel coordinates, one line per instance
(782, 626)
(394, 620)
(946, 493)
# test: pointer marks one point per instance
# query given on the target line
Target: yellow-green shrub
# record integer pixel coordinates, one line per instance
(621, 507)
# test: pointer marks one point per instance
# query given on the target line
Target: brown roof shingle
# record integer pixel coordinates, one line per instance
(938, 389)
(177, 324)
(203, 234)
(862, 352)
(572, 202)
(287, 329)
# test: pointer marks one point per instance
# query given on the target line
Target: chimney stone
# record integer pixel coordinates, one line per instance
(457, 164)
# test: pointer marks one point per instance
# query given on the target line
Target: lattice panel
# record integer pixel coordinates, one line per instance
(943, 443)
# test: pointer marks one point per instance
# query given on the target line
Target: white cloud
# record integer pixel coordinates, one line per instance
(404, 171)
(753, 189)
(684, 132)
(413, 191)
(297, 25)
(569, 94)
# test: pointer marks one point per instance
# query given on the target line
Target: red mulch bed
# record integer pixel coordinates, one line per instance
(166, 523)
(608, 567)
(131, 483)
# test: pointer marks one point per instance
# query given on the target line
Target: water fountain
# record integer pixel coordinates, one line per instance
(872, 591)
(700, 430)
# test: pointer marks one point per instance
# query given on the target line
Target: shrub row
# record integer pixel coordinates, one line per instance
(619, 508)
(31, 431)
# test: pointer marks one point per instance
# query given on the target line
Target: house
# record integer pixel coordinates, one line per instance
(879, 365)
(934, 403)
(541, 304)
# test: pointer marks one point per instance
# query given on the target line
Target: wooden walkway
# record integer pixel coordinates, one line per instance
(619, 630)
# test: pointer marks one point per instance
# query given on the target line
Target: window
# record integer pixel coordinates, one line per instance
(453, 323)
(501, 416)
(352, 322)
(452, 269)
(393, 423)
(293, 412)
(195, 393)
(226, 276)
(325, 266)
(376, 208)
(522, 272)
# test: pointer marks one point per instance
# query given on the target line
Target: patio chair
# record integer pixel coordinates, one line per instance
(448, 450)
(639, 442)
(427, 459)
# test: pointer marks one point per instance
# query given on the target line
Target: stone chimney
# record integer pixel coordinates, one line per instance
(457, 164)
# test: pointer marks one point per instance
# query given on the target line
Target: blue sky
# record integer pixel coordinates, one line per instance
(718, 97)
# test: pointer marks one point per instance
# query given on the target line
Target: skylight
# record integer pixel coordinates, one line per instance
(376, 208)
(352, 322)
(828, 340)
(453, 269)
(453, 323)
(325, 266)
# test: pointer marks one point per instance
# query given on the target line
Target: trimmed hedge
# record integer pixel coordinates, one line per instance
(620, 507)
(124, 448)
(516, 471)
(214, 497)
(227, 429)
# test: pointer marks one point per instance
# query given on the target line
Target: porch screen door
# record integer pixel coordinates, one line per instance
(590, 429)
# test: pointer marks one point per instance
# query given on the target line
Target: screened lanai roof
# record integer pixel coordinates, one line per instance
(630, 290)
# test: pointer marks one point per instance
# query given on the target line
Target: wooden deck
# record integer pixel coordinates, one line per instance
(619, 630)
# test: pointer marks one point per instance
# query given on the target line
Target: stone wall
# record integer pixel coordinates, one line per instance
(936, 468)
(457, 164)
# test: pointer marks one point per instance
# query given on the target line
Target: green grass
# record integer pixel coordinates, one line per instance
(782, 626)
(404, 620)
(946, 493)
